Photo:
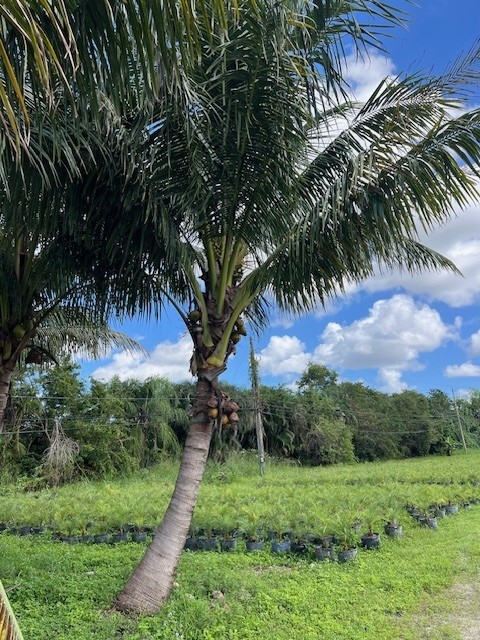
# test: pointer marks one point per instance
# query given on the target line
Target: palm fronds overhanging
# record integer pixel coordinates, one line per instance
(9, 629)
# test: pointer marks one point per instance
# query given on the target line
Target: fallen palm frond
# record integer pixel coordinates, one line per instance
(9, 629)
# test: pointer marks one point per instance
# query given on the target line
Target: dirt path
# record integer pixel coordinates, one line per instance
(465, 617)
(455, 617)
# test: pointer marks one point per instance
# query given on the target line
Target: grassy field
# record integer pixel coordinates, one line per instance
(64, 592)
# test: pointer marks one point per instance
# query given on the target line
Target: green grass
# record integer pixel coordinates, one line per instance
(64, 592)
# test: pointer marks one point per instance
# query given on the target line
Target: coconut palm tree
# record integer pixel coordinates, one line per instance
(271, 187)
(44, 310)
(251, 179)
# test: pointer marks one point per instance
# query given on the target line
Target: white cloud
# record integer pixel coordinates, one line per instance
(283, 355)
(392, 336)
(168, 360)
(390, 381)
(465, 370)
(458, 240)
(364, 74)
(474, 346)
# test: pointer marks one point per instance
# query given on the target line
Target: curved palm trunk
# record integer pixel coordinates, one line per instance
(152, 580)
(6, 374)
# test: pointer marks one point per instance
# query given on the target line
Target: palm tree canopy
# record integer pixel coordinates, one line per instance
(272, 185)
(242, 173)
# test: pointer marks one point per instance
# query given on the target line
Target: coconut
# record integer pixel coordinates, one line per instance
(212, 401)
(235, 338)
(233, 417)
(242, 331)
(194, 315)
(18, 332)
(225, 420)
(213, 413)
(231, 406)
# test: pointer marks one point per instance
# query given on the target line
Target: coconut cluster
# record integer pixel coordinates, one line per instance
(223, 410)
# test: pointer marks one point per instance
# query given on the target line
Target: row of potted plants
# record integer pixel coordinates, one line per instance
(342, 544)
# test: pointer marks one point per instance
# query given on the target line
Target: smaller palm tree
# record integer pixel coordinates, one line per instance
(44, 314)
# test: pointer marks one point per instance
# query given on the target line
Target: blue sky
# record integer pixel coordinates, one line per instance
(391, 332)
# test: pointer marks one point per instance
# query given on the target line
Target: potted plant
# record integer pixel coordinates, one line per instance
(392, 528)
(207, 540)
(191, 543)
(228, 541)
(347, 544)
(281, 543)
(371, 539)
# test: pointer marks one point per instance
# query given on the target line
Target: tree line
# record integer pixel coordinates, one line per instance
(59, 428)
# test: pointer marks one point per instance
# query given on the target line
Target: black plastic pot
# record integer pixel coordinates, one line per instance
(86, 538)
(254, 545)
(37, 530)
(299, 547)
(120, 536)
(347, 555)
(280, 546)
(191, 543)
(324, 553)
(393, 530)
(370, 540)
(432, 523)
(141, 536)
(101, 538)
(451, 509)
(207, 544)
(25, 530)
(227, 544)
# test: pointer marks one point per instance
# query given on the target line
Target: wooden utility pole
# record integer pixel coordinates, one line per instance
(256, 409)
(458, 420)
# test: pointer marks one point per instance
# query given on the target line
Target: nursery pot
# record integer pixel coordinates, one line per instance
(440, 512)
(254, 545)
(451, 509)
(191, 543)
(299, 547)
(119, 536)
(141, 536)
(393, 530)
(227, 544)
(101, 537)
(324, 553)
(429, 522)
(346, 555)
(207, 544)
(371, 540)
(280, 546)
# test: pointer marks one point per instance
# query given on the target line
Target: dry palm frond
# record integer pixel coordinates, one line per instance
(9, 629)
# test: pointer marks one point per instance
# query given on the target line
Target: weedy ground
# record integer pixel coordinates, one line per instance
(409, 589)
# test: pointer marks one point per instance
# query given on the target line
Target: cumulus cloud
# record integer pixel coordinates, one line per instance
(391, 338)
(168, 360)
(364, 74)
(465, 370)
(390, 381)
(474, 346)
(458, 240)
(283, 355)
